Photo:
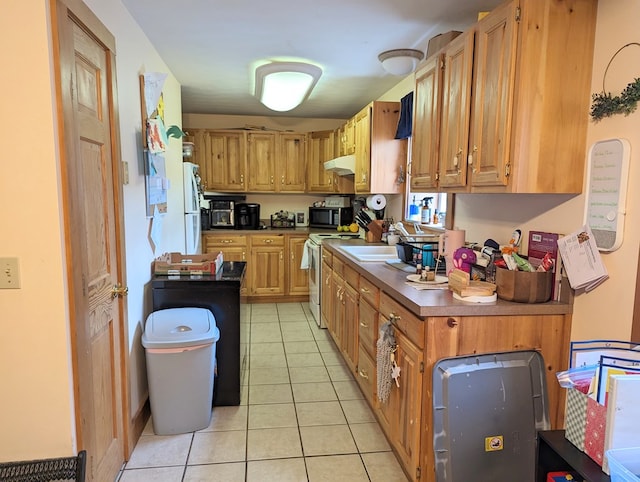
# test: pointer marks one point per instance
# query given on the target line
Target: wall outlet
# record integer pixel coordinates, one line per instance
(9, 273)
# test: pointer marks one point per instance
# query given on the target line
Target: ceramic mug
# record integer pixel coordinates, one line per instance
(448, 242)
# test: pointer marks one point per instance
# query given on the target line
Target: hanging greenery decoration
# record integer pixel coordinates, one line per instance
(605, 104)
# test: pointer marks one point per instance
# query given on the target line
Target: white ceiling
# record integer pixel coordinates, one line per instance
(212, 46)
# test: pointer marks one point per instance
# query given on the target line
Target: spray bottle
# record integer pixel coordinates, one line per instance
(425, 215)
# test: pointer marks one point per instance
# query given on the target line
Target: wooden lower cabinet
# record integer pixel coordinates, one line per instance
(349, 345)
(407, 418)
(273, 263)
(401, 415)
(298, 279)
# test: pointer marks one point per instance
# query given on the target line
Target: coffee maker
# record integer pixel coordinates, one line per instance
(247, 216)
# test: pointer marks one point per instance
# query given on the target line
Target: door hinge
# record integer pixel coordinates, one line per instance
(421, 367)
(418, 472)
(507, 169)
(518, 13)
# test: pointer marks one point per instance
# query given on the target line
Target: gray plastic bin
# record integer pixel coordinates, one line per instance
(180, 346)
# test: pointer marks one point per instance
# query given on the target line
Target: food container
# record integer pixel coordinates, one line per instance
(524, 286)
(624, 464)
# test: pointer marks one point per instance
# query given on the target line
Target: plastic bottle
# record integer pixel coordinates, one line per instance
(425, 215)
(414, 210)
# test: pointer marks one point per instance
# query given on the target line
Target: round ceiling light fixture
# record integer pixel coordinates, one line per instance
(400, 61)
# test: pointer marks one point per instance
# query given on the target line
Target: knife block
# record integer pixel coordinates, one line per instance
(374, 235)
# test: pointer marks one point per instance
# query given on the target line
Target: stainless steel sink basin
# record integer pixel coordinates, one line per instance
(370, 253)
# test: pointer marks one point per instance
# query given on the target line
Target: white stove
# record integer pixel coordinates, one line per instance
(318, 237)
(315, 269)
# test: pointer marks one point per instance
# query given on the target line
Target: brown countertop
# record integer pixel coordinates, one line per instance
(438, 302)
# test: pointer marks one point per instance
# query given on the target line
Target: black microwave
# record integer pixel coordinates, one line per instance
(330, 217)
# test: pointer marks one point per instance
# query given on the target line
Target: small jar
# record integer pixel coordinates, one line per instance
(419, 269)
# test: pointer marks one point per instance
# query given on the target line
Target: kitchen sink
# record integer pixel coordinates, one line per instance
(370, 253)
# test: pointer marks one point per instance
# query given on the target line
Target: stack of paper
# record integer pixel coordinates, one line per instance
(581, 259)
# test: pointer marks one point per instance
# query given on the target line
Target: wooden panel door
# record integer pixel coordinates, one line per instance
(261, 161)
(456, 111)
(426, 125)
(92, 200)
(298, 279)
(326, 294)
(291, 165)
(225, 161)
(321, 149)
(493, 93)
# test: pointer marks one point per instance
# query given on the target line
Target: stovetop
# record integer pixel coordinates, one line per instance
(318, 237)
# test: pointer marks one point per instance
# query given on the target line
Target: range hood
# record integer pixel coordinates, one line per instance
(342, 166)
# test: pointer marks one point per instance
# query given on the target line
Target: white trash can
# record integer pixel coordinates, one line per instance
(180, 346)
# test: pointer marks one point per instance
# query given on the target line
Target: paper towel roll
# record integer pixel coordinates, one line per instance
(376, 201)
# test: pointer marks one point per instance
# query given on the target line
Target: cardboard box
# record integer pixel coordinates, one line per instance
(185, 265)
(440, 41)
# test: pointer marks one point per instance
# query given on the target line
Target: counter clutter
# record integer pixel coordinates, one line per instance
(428, 325)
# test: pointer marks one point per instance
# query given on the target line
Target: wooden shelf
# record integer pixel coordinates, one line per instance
(556, 453)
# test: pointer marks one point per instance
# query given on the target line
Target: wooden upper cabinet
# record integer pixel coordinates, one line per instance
(225, 160)
(348, 138)
(276, 162)
(321, 149)
(456, 111)
(261, 161)
(426, 119)
(291, 163)
(380, 158)
(532, 94)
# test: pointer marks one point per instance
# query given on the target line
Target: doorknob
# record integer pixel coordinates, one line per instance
(118, 291)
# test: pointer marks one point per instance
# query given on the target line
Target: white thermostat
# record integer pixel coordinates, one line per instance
(607, 176)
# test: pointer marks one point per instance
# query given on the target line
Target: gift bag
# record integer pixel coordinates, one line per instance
(595, 430)
(576, 417)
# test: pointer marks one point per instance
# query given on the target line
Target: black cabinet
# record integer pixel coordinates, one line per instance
(556, 453)
(221, 295)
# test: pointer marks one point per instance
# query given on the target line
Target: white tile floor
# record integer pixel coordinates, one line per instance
(302, 417)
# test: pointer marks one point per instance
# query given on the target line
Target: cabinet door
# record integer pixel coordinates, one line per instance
(199, 154)
(350, 327)
(321, 149)
(326, 294)
(456, 111)
(298, 280)
(226, 161)
(337, 321)
(363, 150)
(291, 165)
(267, 258)
(493, 93)
(408, 400)
(261, 162)
(348, 138)
(426, 122)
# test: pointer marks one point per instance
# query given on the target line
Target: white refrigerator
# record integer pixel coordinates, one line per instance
(192, 209)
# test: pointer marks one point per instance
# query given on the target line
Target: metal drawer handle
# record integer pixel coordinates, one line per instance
(364, 325)
(393, 318)
(268, 241)
(364, 290)
(363, 374)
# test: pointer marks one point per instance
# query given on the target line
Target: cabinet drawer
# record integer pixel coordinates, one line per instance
(338, 266)
(368, 327)
(403, 319)
(351, 276)
(369, 292)
(327, 256)
(268, 240)
(366, 374)
(225, 240)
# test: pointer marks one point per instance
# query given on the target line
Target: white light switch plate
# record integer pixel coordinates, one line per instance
(9, 273)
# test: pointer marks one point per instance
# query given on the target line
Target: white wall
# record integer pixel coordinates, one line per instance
(36, 412)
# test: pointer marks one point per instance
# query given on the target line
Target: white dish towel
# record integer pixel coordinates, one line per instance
(304, 262)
